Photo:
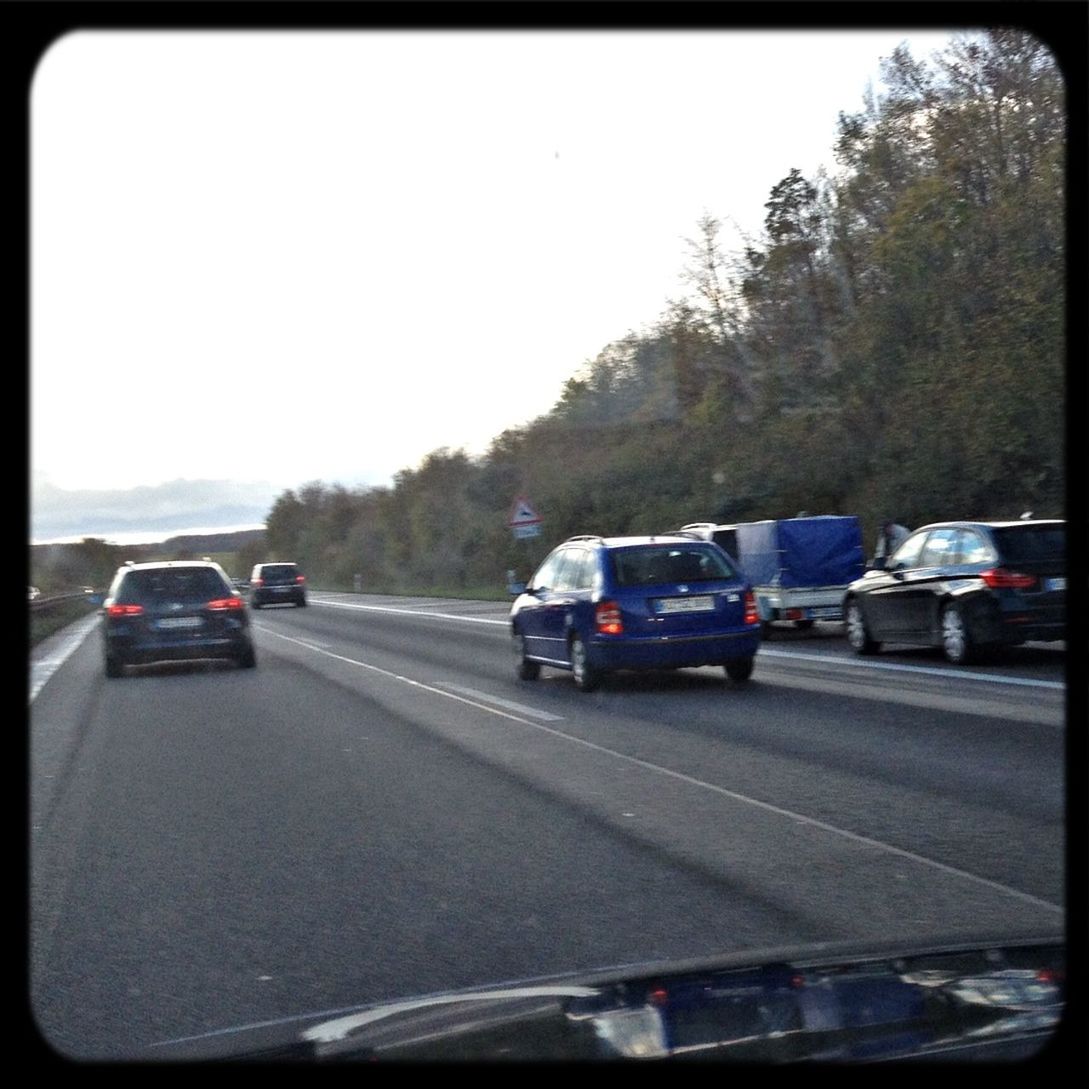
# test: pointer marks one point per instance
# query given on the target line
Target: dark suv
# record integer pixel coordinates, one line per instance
(168, 611)
(277, 584)
(601, 604)
(966, 587)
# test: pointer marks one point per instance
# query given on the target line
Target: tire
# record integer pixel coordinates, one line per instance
(586, 677)
(858, 635)
(248, 658)
(302, 604)
(766, 630)
(113, 667)
(255, 605)
(523, 668)
(739, 670)
(958, 644)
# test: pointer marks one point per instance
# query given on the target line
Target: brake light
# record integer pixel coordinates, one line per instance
(608, 620)
(300, 578)
(752, 614)
(998, 578)
(257, 582)
(222, 604)
(125, 610)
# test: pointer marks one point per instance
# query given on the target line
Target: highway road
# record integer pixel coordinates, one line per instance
(382, 809)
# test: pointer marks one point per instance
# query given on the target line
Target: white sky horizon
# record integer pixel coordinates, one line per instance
(308, 256)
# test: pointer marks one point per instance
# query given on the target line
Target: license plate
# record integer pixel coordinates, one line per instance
(702, 603)
(280, 589)
(180, 622)
(1056, 584)
(826, 610)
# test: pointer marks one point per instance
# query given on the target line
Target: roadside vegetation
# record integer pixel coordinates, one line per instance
(892, 345)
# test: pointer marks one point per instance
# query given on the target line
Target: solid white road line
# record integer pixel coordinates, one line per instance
(44, 668)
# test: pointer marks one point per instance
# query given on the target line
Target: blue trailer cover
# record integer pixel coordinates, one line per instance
(795, 552)
(758, 552)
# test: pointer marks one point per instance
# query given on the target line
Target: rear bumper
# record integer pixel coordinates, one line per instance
(817, 603)
(274, 597)
(129, 651)
(1015, 621)
(1012, 630)
(672, 652)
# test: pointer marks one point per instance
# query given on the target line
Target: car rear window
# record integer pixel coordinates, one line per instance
(190, 584)
(654, 565)
(279, 572)
(1026, 544)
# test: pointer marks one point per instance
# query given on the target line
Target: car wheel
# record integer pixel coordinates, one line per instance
(302, 603)
(586, 677)
(858, 635)
(766, 630)
(255, 604)
(525, 669)
(113, 667)
(957, 642)
(248, 658)
(739, 670)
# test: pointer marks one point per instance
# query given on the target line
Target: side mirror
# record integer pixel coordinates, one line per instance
(516, 588)
(878, 563)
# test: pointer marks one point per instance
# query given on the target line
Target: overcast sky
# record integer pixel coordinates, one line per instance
(295, 256)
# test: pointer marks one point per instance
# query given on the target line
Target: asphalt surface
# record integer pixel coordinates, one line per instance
(381, 809)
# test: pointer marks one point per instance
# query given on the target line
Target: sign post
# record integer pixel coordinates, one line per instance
(525, 523)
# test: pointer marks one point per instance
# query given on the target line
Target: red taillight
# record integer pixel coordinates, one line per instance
(257, 582)
(998, 578)
(125, 610)
(222, 604)
(608, 620)
(752, 614)
(300, 578)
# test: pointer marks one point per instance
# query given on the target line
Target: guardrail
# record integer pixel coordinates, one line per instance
(45, 601)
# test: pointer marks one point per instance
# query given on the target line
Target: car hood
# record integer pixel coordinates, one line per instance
(987, 999)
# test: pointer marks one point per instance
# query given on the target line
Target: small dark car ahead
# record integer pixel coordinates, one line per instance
(172, 611)
(277, 584)
(967, 587)
(601, 604)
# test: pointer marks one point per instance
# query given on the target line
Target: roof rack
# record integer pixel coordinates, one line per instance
(699, 525)
(586, 537)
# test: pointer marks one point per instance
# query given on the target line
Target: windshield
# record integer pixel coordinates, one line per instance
(489, 313)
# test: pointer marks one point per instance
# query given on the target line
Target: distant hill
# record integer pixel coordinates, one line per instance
(201, 544)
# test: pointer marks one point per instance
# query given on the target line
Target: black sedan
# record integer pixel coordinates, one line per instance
(966, 587)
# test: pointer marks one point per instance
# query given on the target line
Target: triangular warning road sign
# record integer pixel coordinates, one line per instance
(522, 514)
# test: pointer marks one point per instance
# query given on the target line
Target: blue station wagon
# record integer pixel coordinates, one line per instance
(597, 605)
